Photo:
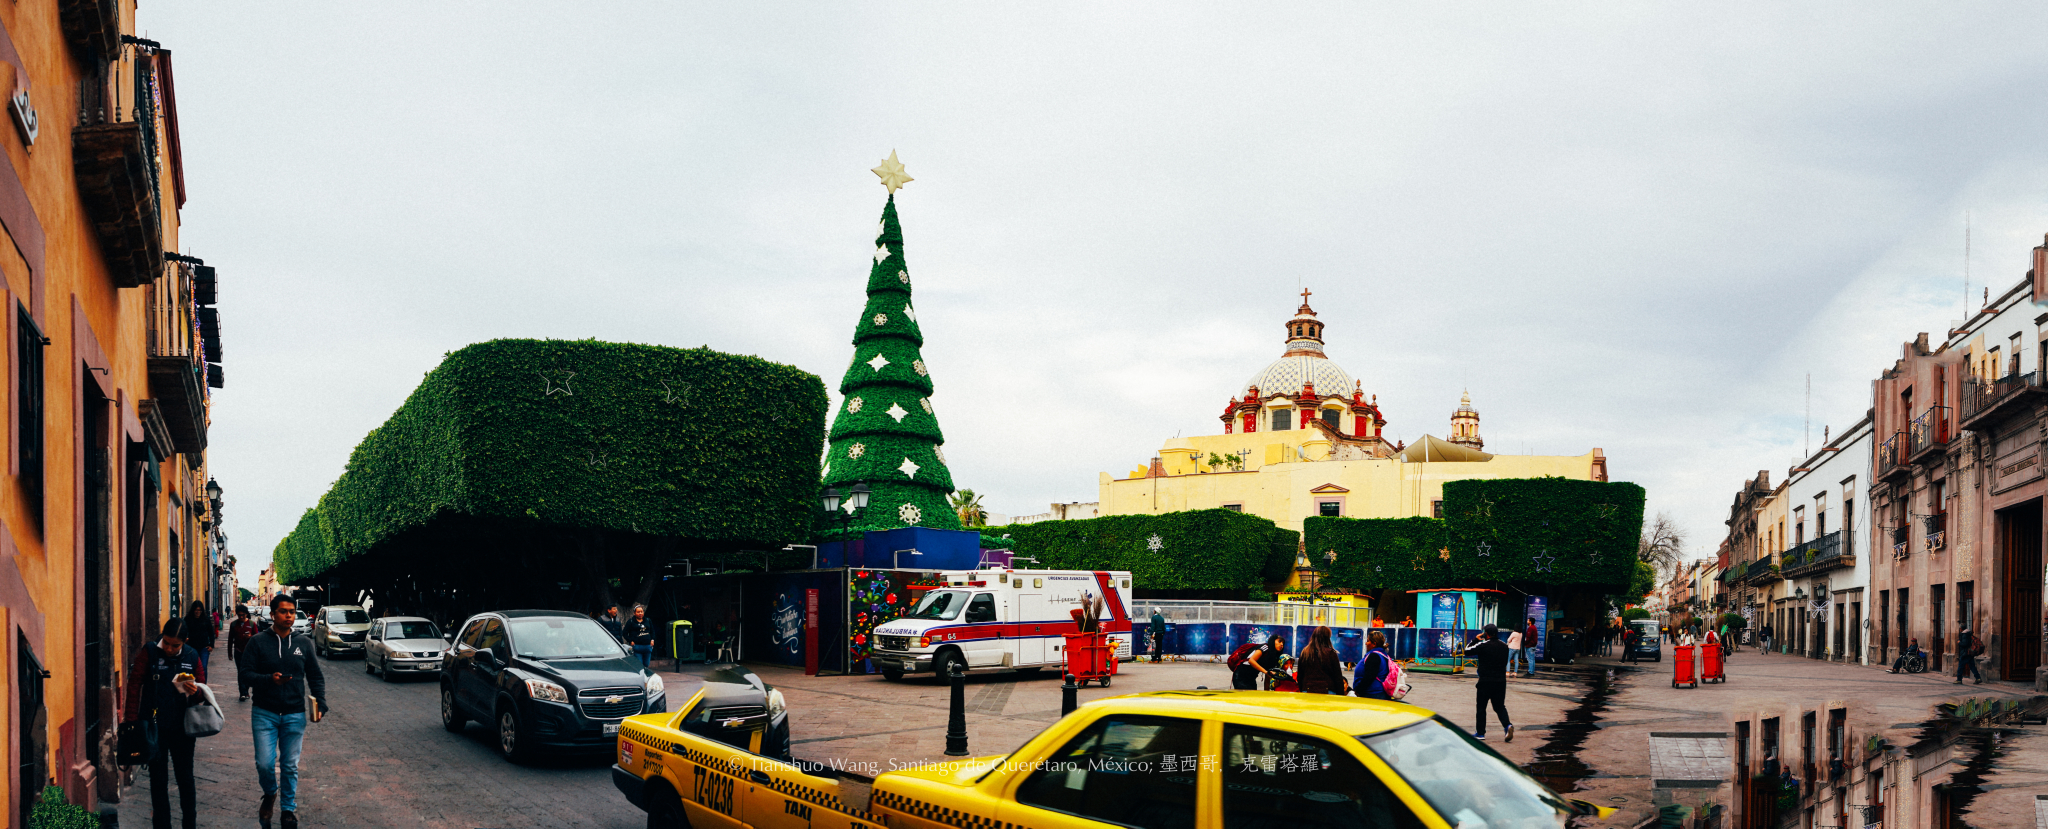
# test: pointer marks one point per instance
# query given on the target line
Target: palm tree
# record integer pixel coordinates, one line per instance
(967, 505)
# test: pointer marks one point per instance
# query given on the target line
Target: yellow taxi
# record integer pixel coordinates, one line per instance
(1161, 760)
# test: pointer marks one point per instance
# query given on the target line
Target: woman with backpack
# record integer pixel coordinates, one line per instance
(1369, 679)
(1969, 647)
(1269, 660)
(1319, 670)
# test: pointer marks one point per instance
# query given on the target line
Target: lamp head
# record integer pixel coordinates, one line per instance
(212, 490)
(859, 496)
(831, 499)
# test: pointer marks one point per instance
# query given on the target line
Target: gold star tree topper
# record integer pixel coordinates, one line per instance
(892, 174)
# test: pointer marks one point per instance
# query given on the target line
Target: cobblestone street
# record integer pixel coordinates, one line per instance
(382, 758)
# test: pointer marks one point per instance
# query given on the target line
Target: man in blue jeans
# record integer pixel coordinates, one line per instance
(639, 633)
(279, 667)
(1529, 642)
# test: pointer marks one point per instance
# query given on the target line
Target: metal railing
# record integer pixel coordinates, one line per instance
(1757, 569)
(1819, 554)
(103, 98)
(1891, 453)
(1979, 395)
(1929, 431)
(1901, 540)
(1272, 613)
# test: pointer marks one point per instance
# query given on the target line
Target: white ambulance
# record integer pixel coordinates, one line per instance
(1001, 619)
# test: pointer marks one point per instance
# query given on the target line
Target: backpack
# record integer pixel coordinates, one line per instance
(1243, 652)
(1392, 683)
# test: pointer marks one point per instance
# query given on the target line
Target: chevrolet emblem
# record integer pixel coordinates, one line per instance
(733, 722)
(614, 699)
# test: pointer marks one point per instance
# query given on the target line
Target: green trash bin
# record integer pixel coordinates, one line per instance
(682, 642)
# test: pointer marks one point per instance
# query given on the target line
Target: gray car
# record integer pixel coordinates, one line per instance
(403, 646)
(340, 629)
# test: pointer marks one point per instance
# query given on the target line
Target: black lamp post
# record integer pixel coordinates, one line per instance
(856, 498)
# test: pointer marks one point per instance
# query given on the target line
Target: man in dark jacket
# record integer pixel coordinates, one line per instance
(279, 666)
(1492, 656)
(239, 633)
(610, 622)
(639, 632)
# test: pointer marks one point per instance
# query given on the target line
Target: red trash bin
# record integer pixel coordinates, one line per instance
(1713, 669)
(1681, 662)
(1089, 657)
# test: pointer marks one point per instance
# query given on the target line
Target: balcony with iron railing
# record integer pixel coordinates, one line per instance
(1988, 402)
(1901, 538)
(1760, 572)
(1928, 434)
(1819, 555)
(180, 351)
(114, 155)
(1937, 532)
(1891, 458)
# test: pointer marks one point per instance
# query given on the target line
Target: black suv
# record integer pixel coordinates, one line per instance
(545, 679)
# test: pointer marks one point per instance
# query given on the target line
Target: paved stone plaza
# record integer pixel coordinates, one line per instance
(1632, 742)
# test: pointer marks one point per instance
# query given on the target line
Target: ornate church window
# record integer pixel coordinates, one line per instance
(1280, 420)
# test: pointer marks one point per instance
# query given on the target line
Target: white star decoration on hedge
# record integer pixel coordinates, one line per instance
(909, 314)
(878, 362)
(1544, 561)
(855, 451)
(919, 365)
(1485, 549)
(853, 405)
(556, 380)
(897, 412)
(881, 253)
(910, 513)
(1155, 543)
(881, 320)
(909, 468)
(669, 395)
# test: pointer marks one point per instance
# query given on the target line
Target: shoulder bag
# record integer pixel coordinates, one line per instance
(136, 744)
(204, 719)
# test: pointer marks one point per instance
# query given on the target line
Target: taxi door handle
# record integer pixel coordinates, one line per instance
(758, 776)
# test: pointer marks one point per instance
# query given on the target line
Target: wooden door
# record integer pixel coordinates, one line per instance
(2019, 540)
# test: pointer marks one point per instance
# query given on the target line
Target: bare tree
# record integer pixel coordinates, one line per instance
(1662, 543)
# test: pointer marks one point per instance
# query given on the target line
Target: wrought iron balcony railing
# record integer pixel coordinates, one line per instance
(1824, 553)
(1982, 399)
(1891, 456)
(114, 156)
(1929, 432)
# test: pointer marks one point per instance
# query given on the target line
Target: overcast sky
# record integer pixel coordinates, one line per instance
(1630, 227)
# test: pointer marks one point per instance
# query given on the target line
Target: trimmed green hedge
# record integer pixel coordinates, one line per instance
(693, 444)
(303, 554)
(1551, 531)
(1198, 550)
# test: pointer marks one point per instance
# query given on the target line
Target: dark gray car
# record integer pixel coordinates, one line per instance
(544, 679)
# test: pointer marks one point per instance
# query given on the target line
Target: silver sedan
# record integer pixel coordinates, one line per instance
(401, 646)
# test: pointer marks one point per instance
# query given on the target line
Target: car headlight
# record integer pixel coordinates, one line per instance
(543, 689)
(775, 704)
(653, 684)
(401, 654)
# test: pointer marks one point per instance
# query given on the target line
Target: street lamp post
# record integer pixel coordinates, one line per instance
(896, 558)
(856, 498)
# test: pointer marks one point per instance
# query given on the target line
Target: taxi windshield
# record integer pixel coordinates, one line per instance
(940, 604)
(1467, 784)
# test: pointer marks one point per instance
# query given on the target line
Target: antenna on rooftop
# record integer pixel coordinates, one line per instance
(1966, 266)
(1806, 427)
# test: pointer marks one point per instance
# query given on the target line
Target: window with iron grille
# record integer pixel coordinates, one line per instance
(28, 390)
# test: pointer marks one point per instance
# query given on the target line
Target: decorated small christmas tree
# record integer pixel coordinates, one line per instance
(886, 434)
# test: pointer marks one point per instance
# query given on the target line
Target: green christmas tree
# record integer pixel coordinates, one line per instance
(886, 434)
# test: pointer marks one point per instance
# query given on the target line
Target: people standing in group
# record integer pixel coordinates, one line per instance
(280, 667)
(1968, 646)
(1369, 676)
(1319, 670)
(639, 632)
(1492, 659)
(162, 683)
(200, 634)
(1531, 637)
(611, 622)
(239, 633)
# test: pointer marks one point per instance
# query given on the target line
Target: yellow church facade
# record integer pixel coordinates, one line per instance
(1289, 452)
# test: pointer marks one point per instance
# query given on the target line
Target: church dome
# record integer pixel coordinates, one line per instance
(1303, 361)
(1285, 376)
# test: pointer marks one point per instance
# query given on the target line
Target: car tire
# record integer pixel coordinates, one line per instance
(665, 808)
(892, 674)
(942, 667)
(512, 736)
(451, 711)
(384, 671)
(369, 670)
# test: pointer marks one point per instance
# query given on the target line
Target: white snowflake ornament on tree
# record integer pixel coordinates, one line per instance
(881, 320)
(903, 277)
(910, 514)
(853, 405)
(919, 366)
(1155, 543)
(855, 451)
(926, 402)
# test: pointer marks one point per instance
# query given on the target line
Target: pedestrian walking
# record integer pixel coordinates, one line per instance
(639, 632)
(1514, 650)
(1319, 670)
(161, 685)
(280, 668)
(612, 623)
(1492, 658)
(1766, 634)
(239, 633)
(1968, 646)
(1158, 635)
(200, 634)
(1531, 637)
(1369, 676)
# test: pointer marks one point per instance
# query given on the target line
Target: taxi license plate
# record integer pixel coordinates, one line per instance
(611, 728)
